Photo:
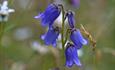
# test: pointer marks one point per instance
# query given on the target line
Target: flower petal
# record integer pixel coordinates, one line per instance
(11, 10)
(49, 15)
(76, 58)
(54, 44)
(69, 58)
(78, 39)
(71, 19)
(43, 36)
(50, 37)
(81, 39)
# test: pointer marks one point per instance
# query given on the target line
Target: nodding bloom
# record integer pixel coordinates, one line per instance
(71, 20)
(49, 15)
(4, 11)
(51, 36)
(77, 38)
(71, 55)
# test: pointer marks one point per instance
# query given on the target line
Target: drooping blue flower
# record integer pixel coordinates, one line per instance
(71, 55)
(77, 38)
(51, 36)
(49, 15)
(71, 19)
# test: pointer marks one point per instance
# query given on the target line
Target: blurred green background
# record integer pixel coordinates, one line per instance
(22, 48)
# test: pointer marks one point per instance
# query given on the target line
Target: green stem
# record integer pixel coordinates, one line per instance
(67, 34)
(1, 31)
(94, 60)
(62, 31)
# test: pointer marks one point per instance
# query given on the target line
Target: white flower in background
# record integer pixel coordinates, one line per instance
(18, 66)
(5, 11)
(39, 48)
(23, 33)
(80, 52)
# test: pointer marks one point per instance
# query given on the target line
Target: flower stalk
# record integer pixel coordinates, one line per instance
(67, 34)
(62, 30)
(76, 39)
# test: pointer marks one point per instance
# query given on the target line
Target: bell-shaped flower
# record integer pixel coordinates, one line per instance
(77, 38)
(5, 11)
(71, 55)
(71, 19)
(51, 36)
(49, 15)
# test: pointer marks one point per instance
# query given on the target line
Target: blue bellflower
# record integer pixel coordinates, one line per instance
(51, 36)
(71, 20)
(77, 38)
(49, 15)
(71, 56)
